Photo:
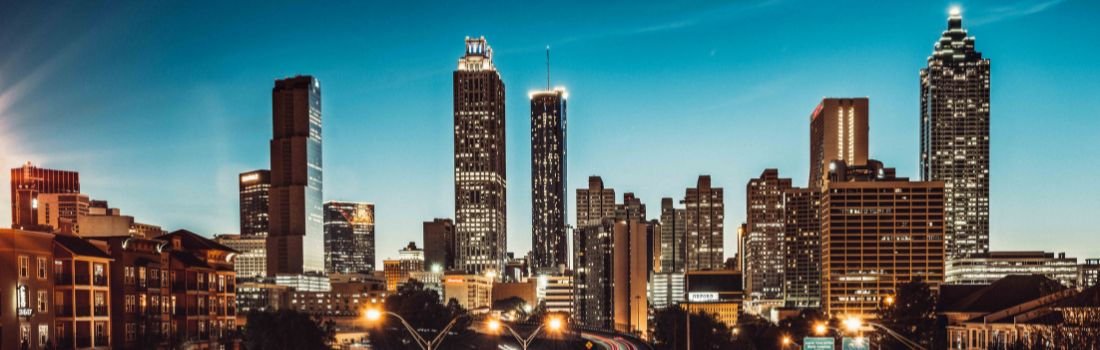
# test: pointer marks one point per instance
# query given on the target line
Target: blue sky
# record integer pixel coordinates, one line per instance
(160, 105)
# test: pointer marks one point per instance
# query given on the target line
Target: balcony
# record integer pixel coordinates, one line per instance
(99, 280)
(102, 341)
(82, 280)
(63, 310)
(100, 310)
(61, 279)
(83, 310)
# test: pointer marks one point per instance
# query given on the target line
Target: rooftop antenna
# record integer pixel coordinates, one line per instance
(547, 67)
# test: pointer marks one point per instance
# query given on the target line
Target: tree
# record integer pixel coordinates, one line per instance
(286, 329)
(755, 332)
(706, 331)
(912, 314)
(802, 325)
(423, 309)
(514, 308)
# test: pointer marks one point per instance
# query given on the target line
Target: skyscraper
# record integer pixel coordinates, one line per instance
(295, 242)
(954, 136)
(27, 182)
(548, 171)
(594, 203)
(764, 257)
(704, 213)
(481, 207)
(878, 231)
(439, 244)
(349, 237)
(838, 131)
(802, 248)
(254, 186)
(673, 226)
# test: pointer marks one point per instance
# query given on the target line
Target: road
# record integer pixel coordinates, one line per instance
(604, 341)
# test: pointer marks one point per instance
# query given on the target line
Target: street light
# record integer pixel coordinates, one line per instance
(888, 300)
(373, 315)
(820, 329)
(853, 324)
(554, 323)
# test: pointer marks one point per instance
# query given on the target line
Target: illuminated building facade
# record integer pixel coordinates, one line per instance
(27, 182)
(349, 237)
(764, 252)
(295, 241)
(252, 260)
(838, 131)
(27, 285)
(481, 181)
(82, 298)
(253, 187)
(704, 216)
(877, 231)
(548, 175)
(802, 248)
(993, 266)
(954, 136)
(473, 292)
(716, 292)
(397, 271)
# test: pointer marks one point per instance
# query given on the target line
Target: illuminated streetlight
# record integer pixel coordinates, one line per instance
(853, 324)
(374, 315)
(554, 323)
(820, 329)
(889, 300)
(493, 325)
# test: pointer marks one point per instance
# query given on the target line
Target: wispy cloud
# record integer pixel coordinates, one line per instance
(696, 18)
(1016, 10)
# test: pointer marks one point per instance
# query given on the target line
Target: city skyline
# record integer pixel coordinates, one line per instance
(1017, 89)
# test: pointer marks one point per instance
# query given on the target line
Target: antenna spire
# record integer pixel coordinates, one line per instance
(547, 67)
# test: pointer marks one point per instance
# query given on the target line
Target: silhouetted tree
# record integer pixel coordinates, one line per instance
(912, 314)
(286, 329)
(422, 308)
(706, 331)
(755, 332)
(801, 325)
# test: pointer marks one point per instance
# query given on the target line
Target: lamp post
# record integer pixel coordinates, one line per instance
(553, 323)
(375, 315)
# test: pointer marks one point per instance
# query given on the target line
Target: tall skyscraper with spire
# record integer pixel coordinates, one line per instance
(954, 136)
(295, 242)
(548, 169)
(481, 208)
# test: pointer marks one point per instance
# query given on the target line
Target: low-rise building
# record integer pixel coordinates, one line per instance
(26, 315)
(717, 292)
(989, 268)
(556, 292)
(1088, 274)
(82, 295)
(473, 292)
(1022, 312)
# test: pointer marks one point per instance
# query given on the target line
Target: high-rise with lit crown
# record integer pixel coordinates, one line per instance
(481, 207)
(954, 136)
(548, 170)
(349, 237)
(838, 131)
(254, 186)
(295, 242)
